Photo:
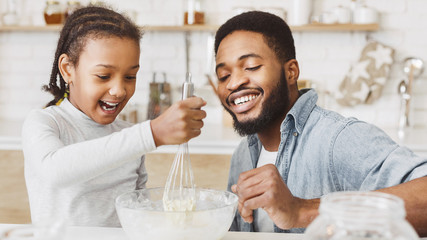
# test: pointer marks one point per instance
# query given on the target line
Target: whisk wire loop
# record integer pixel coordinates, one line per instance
(179, 193)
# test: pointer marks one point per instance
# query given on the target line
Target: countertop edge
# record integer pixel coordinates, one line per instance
(10, 143)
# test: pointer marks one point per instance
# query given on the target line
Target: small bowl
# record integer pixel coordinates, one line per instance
(142, 216)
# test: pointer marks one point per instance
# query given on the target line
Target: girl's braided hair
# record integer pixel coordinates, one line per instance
(88, 22)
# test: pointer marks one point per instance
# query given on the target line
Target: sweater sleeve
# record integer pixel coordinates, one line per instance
(64, 165)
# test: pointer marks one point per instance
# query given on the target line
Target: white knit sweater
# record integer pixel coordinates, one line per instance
(75, 167)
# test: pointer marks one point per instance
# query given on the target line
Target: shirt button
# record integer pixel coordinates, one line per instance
(295, 134)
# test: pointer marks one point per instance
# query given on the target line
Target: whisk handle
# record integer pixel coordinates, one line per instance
(187, 87)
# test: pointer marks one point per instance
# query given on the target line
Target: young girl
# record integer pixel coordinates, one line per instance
(78, 156)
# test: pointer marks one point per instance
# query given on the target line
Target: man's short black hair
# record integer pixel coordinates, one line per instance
(276, 32)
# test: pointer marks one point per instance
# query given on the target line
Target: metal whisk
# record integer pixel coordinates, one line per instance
(179, 193)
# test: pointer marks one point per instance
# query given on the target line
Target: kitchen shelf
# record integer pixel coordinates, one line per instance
(208, 28)
(336, 27)
(46, 28)
(57, 27)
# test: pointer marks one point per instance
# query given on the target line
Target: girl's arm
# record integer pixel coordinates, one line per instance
(64, 165)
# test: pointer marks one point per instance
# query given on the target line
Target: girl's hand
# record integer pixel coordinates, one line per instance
(179, 123)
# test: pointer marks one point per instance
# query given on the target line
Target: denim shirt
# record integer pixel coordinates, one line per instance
(322, 152)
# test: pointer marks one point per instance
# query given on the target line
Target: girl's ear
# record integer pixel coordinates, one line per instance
(65, 68)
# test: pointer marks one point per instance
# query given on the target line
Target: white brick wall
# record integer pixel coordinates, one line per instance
(324, 57)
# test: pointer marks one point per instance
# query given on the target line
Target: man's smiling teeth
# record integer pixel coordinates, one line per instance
(244, 99)
(108, 106)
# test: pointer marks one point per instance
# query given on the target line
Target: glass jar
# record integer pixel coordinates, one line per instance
(71, 7)
(194, 13)
(360, 215)
(53, 13)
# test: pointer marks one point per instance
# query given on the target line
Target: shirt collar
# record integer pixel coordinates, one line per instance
(301, 109)
(299, 112)
(78, 115)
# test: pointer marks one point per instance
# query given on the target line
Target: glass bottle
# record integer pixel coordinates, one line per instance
(194, 13)
(159, 97)
(53, 13)
(360, 215)
(71, 7)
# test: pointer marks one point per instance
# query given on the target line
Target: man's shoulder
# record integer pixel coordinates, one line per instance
(324, 125)
(322, 116)
(306, 113)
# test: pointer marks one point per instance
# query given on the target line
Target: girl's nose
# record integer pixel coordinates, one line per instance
(117, 90)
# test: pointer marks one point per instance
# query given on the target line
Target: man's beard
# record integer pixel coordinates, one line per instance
(274, 107)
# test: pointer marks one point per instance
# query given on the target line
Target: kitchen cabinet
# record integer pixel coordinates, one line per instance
(14, 205)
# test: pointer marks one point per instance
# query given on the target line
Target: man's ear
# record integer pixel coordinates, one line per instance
(65, 68)
(291, 67)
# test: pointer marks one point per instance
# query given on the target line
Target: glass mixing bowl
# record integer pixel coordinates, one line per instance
(143, 218)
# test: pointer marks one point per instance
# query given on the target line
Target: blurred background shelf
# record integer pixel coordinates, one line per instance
(336, 27)
(46, 28)
(207, 28)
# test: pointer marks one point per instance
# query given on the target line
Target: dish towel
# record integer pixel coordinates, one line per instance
(365, 80)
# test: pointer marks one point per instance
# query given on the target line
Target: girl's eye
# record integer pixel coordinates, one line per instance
(103, 77)
(253, 68)
(130, 77)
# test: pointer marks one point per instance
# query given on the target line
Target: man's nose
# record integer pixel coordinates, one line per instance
(237, 79)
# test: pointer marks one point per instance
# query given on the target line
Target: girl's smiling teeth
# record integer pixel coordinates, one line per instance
(108, 106)
(244, 99)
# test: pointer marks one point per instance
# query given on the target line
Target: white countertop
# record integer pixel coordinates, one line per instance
(102, 233)
(99, 233)
(217, 139)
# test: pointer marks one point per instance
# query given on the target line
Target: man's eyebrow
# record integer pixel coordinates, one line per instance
(219, 66)
(240, 59)
(249, 56)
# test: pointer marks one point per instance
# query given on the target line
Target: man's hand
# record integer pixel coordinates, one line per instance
(264, 188)
(179, 123)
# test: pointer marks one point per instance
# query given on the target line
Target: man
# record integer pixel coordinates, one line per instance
(295, 152)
